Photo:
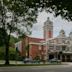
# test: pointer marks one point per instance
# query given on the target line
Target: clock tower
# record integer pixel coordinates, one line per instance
(48, 29)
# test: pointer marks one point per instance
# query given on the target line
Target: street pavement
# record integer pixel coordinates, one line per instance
(49, 68)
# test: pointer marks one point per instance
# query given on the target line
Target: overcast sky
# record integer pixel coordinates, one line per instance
(58, 23)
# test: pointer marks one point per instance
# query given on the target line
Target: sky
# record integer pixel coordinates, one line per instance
(58, 24)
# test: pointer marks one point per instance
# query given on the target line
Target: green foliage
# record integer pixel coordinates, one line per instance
(58, 7)
(37, 58)
(2, 53)
(3, 35)
(21, 20)
(13, 40)
(24, 14)
(13, 55)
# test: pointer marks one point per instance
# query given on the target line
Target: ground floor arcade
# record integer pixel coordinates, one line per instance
(64, 57)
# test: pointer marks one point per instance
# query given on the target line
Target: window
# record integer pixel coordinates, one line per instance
(57, 48)
(51, 48)
(63, 41)
(63, 48)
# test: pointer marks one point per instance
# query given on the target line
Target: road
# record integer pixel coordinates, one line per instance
(49, 68)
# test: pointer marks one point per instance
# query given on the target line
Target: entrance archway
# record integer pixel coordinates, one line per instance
(63, 58)
(68, 58)
(51, 56)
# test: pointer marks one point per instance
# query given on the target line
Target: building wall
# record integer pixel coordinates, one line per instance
(37, 50)
(34, 50)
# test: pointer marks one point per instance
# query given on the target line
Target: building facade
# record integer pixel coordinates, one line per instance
(60, 47)
(48, 48)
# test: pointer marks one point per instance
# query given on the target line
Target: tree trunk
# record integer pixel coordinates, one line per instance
(7, 51)
(7, 55)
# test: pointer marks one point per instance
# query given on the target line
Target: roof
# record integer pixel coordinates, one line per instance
(37, 40)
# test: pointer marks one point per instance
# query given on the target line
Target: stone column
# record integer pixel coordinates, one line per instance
(54, 55)
(30, 51)
(46, 53)
(55, 52)
(65, 58)
(61, 57)
(71, 57)
(40, 51)
(61, 53)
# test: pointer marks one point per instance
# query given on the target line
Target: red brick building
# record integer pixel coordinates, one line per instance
(36, 48)
(47, 48)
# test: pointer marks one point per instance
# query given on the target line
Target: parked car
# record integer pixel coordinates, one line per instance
(36, 61)
(55, 60)
(27, 60)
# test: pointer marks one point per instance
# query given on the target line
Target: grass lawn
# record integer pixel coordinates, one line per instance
(11, 62)
(20, 63)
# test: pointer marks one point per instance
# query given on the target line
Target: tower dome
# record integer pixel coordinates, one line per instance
(70, 34)
(62, 33)
(48, 22)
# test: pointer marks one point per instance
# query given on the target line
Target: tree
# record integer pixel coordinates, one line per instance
(57, 7)
(2, 36)
(19, 15)
(15, 19)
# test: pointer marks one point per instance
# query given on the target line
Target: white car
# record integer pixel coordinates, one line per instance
(55, 60)
(27, 60)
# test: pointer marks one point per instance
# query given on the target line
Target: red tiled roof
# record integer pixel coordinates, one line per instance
(31, 39)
